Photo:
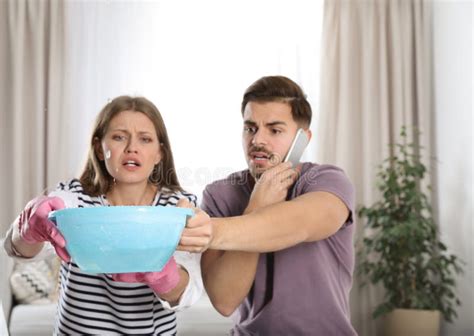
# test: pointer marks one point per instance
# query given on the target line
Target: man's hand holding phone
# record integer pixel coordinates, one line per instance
(272, 187)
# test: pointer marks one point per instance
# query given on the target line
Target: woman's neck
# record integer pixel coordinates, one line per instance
(132, 194)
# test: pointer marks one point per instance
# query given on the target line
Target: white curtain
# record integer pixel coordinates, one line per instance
(31, 64)
(66, 59)
(193, 59)
(375, 77)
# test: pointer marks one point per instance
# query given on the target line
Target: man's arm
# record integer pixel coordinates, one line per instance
(228, 277)
(310, 217)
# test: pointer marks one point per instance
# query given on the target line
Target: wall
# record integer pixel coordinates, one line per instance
(454, 150)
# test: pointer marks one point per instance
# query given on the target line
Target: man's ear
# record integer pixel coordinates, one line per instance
(98, 149)
(309, 134)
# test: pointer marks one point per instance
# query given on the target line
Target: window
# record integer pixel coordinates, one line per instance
(193, 59)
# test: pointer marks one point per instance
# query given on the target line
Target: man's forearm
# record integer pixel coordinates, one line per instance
(311, 217)
(268, 229)
(228, 277)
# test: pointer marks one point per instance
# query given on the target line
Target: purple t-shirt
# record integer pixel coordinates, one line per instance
(304, 289)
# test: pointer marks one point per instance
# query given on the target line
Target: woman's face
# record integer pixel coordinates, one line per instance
(130, 148)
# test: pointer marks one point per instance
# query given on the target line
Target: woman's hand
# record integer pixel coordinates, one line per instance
(35, 227)
(198, 233)
(160, 282)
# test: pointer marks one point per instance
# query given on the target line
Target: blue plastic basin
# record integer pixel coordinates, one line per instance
(121, 239)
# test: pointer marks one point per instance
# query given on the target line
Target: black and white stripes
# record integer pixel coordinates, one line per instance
(95, 304)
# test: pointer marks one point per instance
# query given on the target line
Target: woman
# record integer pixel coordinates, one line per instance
(130, 163)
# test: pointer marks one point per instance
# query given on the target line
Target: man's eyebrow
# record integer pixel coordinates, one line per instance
(270, 124)
(275, 123)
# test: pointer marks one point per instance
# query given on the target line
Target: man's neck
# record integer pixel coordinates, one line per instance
(250, 180)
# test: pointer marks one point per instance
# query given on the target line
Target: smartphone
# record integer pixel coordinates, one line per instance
(297, 147)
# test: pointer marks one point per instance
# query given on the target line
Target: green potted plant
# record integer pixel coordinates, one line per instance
(402, 251)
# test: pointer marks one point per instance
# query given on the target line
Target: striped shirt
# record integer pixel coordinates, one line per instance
(95, 304)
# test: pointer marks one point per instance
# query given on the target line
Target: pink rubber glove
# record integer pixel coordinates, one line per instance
(160, 282)
(35, 227)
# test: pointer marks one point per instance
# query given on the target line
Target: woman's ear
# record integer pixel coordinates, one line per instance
(159, 155)
(158, 158)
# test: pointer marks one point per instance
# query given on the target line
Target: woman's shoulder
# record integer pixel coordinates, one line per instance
(72, 185)
(73, 195)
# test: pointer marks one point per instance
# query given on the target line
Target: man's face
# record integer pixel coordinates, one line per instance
(269, 130)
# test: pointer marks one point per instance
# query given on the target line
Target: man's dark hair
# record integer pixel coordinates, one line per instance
(280, 89)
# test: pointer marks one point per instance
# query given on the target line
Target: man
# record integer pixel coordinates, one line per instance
(282, 251)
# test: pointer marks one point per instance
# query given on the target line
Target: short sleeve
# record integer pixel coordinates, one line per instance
(209, 204)
(330, 179)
